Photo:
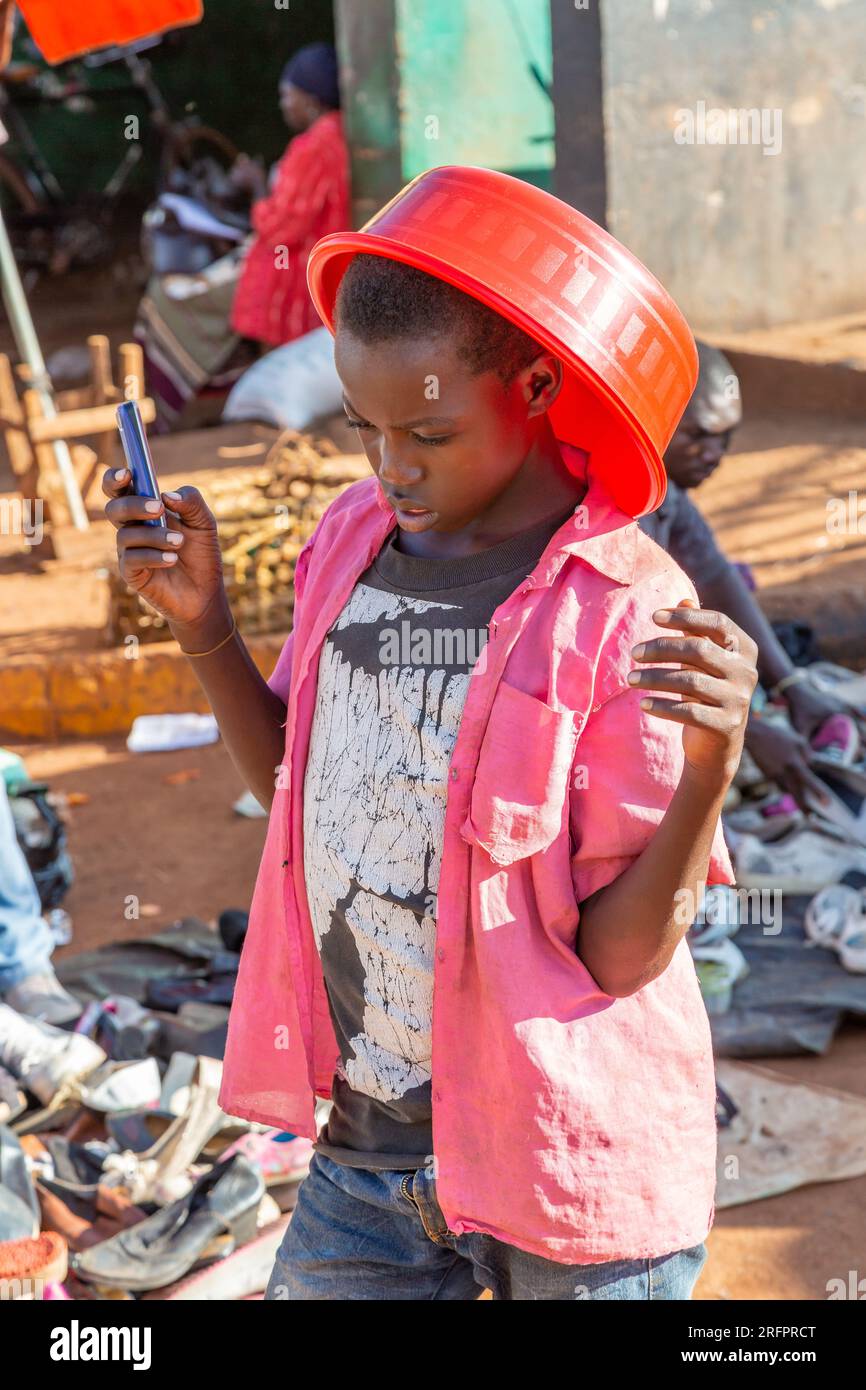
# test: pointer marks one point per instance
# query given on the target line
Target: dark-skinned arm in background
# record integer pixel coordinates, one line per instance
(783, 755)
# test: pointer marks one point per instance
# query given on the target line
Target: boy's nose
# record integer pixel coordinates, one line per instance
(397, 474)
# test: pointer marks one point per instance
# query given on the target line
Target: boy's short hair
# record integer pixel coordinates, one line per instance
(380, 300)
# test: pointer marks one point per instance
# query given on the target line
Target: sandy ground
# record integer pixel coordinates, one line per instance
(179, 848)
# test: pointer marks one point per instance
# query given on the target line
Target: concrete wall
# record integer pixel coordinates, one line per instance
(740, 237)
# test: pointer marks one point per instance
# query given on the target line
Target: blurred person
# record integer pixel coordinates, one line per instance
(202, 331)
(309, 198)
(697, 448)
(28, 983)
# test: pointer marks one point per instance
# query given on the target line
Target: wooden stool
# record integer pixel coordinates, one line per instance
(83, 413)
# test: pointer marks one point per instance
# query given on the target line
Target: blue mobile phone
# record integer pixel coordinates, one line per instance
(135, 447)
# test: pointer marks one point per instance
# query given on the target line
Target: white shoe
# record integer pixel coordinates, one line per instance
(43, 996)
(805, 861)
(42, 1058)
(836, 918)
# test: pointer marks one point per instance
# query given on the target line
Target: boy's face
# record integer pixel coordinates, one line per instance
(443, 443)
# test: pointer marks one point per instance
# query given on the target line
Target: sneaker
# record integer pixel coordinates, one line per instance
(768, 819)
(43, 996)
(805, 861)
(836, 741)
(44, 1058)
(836, 919)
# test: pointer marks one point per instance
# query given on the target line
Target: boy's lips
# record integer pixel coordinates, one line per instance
(413, 517)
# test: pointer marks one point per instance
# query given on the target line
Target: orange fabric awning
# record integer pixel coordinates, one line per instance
(62, 30)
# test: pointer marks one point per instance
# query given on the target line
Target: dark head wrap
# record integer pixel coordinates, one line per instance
(314, 69)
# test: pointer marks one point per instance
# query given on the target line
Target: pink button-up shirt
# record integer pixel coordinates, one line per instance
(566, 1122)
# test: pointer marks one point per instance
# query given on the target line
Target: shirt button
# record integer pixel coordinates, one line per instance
(440, 954)
(437, 1095)
(454, 774)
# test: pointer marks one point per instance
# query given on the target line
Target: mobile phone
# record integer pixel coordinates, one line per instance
(135, 447)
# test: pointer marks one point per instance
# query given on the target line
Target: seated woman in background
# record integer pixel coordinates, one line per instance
(204, 330)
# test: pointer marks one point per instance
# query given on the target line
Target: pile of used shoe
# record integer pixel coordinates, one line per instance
(777, 847)
(120, 1175)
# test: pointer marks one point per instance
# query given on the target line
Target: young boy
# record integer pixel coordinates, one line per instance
(483, 855)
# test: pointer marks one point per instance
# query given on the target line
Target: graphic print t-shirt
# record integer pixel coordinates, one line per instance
(393, 675)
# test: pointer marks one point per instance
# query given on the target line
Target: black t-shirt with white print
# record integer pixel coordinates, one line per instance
(393, 676)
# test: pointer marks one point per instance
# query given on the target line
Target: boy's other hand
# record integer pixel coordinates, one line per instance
(715, 680)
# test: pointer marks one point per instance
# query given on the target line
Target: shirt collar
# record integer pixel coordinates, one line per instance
(599, 532)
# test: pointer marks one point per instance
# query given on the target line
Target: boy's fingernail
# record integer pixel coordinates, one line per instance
(646, 704)
(173, 496)
(662, 615)
(637, 652)
(120, 474)
(153, 505)
(633, 677)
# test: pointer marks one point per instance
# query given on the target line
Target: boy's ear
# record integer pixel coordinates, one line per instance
(541, 383)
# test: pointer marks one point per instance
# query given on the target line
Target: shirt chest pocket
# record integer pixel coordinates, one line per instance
(520, 793)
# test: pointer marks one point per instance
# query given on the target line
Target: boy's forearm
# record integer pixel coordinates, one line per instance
(629, 930)
(250, 716)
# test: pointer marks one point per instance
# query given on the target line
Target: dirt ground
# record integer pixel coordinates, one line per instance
(178, 846)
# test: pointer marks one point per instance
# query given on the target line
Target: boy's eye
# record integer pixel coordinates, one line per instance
(431, 439)
(358, 424)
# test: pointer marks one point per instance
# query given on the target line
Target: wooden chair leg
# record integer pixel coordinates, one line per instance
(131, 371)
(23, 463)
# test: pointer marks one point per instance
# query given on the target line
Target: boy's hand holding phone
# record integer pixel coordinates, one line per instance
(714, 685)
(167, 545)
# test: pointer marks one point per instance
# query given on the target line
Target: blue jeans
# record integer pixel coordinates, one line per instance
(25, 938)
(357, 1233)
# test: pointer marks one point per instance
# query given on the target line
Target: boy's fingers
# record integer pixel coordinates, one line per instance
(139, 562)
(114, 480)
(686, 651)
(137, 538)
(692, 685)
(121, 511)
(188, 504)
(705, 622)
(693, 712)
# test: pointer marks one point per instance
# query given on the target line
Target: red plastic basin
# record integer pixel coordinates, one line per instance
(630, 358)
